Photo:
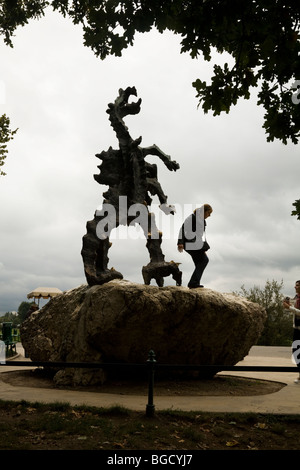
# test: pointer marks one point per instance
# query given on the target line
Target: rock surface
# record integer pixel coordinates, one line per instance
(121, 321)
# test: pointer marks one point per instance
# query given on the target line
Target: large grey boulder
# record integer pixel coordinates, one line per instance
(121, 321)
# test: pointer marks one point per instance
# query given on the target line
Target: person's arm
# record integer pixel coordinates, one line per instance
(289, 307)
(295, 310)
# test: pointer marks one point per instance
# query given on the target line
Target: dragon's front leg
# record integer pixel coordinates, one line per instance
(166, 159)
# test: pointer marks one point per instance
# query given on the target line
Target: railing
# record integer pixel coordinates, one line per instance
(151, 366)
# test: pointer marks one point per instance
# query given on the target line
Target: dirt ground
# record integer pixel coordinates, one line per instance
(220, 385)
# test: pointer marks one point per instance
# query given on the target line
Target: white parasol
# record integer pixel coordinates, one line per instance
(44, 293)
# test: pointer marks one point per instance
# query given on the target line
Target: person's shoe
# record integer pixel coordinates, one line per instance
(297, 381)
(195, 287)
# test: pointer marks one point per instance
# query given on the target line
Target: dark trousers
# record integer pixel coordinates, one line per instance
(200, 259)
(296, 347)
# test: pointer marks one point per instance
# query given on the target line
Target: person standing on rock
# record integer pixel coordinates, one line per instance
(192, 239)
(296, 325)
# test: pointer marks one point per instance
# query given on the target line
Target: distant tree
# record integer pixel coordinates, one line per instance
(10, 318)
(278, 329)
(6, 134)
(16, 320)
(23, 310)
(7, 317)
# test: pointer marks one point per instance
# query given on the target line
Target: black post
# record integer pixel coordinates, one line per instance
(150, 406)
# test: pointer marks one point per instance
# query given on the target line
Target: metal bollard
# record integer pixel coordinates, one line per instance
(150, 406)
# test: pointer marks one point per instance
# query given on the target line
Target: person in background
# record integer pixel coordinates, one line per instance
(295, 309)
(191, 240)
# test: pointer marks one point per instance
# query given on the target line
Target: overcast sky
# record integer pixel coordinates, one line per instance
(56, 92)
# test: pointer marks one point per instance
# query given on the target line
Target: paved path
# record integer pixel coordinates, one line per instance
(286, 401)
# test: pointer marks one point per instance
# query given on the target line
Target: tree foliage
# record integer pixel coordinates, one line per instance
(278, 329)
(22, 313)
(6, 134)
(23, 310)
(14, 13)
(260, 36)
(296, 211)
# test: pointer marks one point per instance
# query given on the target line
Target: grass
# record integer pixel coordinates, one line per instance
(59, 426)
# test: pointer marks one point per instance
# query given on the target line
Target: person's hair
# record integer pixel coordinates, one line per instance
(207, 207)
(297, 282)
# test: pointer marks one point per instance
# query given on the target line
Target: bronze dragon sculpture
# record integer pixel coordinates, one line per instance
(129, 177)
